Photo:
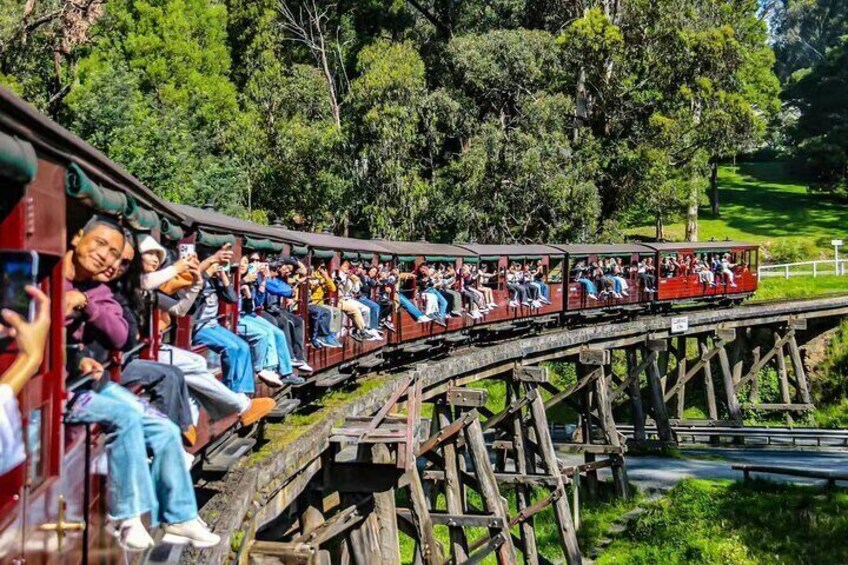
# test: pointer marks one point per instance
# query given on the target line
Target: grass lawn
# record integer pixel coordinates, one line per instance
(733, 523)
(760, 203)
(774, 288)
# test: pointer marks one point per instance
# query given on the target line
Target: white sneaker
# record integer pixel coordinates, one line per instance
(131, 534)
(270, 378)
(192, 532)
(493, 305)
(624, 293)
(423, 320)
(536, 304)
(513, 304)
(593, 297)
(304, 367)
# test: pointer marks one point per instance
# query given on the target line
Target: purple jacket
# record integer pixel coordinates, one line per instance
(103, 313)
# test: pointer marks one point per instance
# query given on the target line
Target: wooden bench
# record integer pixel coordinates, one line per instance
(830, 476)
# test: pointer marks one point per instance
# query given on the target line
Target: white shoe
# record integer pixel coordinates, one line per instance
(513, 304)
(624, 293)
(270, 378)
(304, 367)
(192, 532)
(593, 297)
(493, 305)
(131, 534)
(189, 460)
(733, 285)
(423, 320)
(536, 304)
(616, 294)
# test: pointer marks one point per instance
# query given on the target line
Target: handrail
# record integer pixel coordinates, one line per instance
(831, 267)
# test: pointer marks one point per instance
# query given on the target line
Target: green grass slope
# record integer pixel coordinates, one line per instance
(761, 203)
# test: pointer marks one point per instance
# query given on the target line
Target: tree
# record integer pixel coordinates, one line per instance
(821, 133)
(804, 30)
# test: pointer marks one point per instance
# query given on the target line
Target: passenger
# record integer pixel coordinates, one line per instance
(348, 285)
(483, 278)
(477, 307)
(410, 306)
(727, 269)
(132, 428)
(617, 272)
(539, 280)
(446, 282)
(705, 275)
(321, 315)
(205, 390)
(645, 270)
(236, 357)
(437, 308)
(31, 341)
(270, 348)
(518, 292)
(275, 289)
(375, 293)
(580, 274)
(165, 385)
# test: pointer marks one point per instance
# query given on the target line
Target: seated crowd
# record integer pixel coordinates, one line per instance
(612, 277)
(711, 268)
(121, 288)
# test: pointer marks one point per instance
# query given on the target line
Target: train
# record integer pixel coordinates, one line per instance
(52, 507)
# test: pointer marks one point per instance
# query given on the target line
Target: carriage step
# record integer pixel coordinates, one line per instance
(326, 381)
(283, 408)
(416, 348)
(370, 363)
(456, 338)
(228, 454)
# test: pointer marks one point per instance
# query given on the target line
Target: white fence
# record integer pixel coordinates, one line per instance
(804, 269)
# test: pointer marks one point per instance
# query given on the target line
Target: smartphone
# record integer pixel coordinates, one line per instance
(19, 269)
(186, 250)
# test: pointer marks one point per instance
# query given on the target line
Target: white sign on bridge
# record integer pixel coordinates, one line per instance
(836, 242)
(679, 324)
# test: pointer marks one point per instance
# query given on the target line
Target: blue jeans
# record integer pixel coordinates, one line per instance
(546, 290)
(235, 357)
(375, 312)
(588, 286)
(273, 351)
(132, 429)
(443, 302)
(409, 306)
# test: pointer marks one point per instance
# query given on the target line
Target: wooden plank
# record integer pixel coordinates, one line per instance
(635, 391)
(458, 521)
(709, 386)
(705, 358)
(658, 402)
(523, 493)
(467, 397)
(514, 407)
(562, 512)
(755, 368)
(445, 434)
(453, 491)
(619, 474)
(502, 478)
(594, 356)
(384, 508)
(633, 373)
(532, 374)
(390, 403)
(798, 368)
(782, 374)
(489, 488)
(681, 374)
(562, 395)
(428, 549)
(733, 409)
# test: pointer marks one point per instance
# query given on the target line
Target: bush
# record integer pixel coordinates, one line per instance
(790, 250)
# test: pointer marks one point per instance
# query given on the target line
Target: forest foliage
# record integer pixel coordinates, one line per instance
(498, 120)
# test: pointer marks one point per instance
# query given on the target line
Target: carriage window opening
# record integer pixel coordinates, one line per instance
(555, 272)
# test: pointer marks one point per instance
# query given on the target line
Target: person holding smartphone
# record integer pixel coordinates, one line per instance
(31, 340)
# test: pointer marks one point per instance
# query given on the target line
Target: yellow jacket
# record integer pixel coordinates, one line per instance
(319, 286)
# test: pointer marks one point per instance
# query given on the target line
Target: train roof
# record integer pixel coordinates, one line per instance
(603, 249)
(513, 250)
(206, 218)
(699, 245)
(336, 242)
(430, 251)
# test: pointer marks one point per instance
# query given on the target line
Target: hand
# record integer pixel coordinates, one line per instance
(248, 278)
(31, 338)
(74, 299)
(195, 273)
(225, 254)
(91, 368)
(182, 265)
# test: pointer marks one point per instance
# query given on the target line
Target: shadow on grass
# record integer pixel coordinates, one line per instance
(712, 522)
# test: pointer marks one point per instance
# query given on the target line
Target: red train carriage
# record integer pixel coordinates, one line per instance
(709, 270)
(52, 184)
(586, 261)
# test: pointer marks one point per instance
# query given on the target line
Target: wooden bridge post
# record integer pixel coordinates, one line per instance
(635, 392)
(523, 492)
(453, 488)
(619, 470)
(681, 375)
(657, 397)
(709, 386)
(386, 512)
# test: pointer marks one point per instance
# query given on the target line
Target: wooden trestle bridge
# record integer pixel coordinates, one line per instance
(331, 495)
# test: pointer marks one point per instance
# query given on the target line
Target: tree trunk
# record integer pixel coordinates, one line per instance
(714, 187)
(692, 214)
(660, 228)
